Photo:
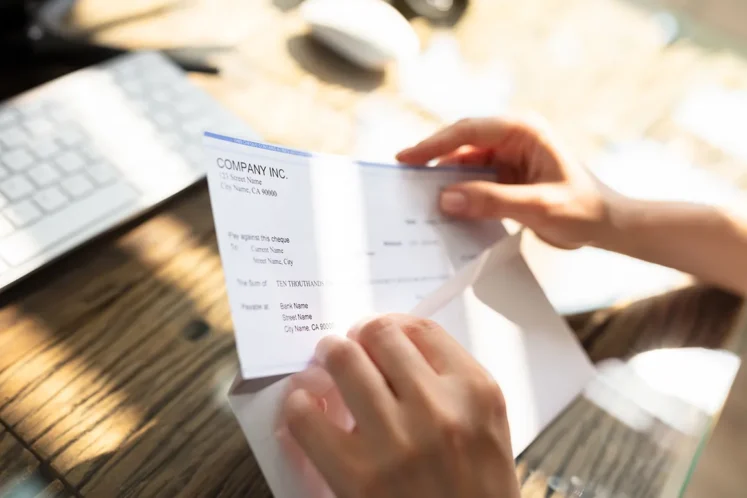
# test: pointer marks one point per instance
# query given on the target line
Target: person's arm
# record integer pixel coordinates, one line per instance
(708, 242)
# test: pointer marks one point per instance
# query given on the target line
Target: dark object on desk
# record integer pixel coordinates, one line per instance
(17, 55)
(48, 35)
(33, 38)
(13, 19)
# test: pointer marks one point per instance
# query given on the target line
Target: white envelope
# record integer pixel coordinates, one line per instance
(497, 311)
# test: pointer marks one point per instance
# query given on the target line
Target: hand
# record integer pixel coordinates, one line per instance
(429, 421)
(537, 184)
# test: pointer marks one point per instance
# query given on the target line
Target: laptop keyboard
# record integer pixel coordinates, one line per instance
(85, 152)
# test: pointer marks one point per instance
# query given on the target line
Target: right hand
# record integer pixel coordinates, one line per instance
(429, 421)
(537, 183)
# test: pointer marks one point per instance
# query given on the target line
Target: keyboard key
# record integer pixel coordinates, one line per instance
(44, 148)
(77, 185)
(163, 119)
(30, 109)
(58, 114)
(39, 126)
(147, 127)
(16, 187)
(8, 116)
(49, 105)
(125, 70)
(162, 96)
(13, 136)
(91, 151)
(196, 126)
(182, 88)
(101, 173)
(6, 227)
(188, 106)
(25, 244)
(139, 107)
(193, 154)
(44, 174)
(171, 140)
(133, 86)
(70, 161)
(17, 160)
(50, 198)
(71, 135)
(22, 213)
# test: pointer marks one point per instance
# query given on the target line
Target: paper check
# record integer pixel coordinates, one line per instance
(311, 244)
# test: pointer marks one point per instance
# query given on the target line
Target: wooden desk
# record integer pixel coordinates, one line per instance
(21, 471)
(116, 360)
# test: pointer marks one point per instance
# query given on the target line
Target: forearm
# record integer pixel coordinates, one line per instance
(708, 242)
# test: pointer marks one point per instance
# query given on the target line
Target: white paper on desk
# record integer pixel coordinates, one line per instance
(373, 235)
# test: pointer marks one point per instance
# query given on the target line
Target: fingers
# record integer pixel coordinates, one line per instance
(467, 155)
(478, 132)
(326, 445)
(479, 200)
(314, 379)
(360, 383)
(440, 350)
(402, 365)
(438, 347)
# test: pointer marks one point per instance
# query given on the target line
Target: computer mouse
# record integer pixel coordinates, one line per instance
(369, 33)
(438, 10)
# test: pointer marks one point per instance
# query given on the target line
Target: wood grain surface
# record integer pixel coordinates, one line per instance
(120, 384)
(591, 450)
(115, 361)
(588, 450)
(22, 475)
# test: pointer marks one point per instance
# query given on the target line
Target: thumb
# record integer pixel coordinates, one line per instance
(481, 199)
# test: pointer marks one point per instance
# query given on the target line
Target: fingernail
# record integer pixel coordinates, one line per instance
(357, 326)
(322, 347)
(453, 202)
(314, 379)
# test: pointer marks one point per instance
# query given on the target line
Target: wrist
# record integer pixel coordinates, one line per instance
(615, 230)
(636, 227)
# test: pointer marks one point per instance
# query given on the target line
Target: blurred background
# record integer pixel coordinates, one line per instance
(652, 95)
(658, 87)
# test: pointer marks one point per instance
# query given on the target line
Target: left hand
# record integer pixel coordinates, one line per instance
(429, 420)
(538, 183)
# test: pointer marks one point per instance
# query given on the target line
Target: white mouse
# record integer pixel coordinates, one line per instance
(369, 33)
